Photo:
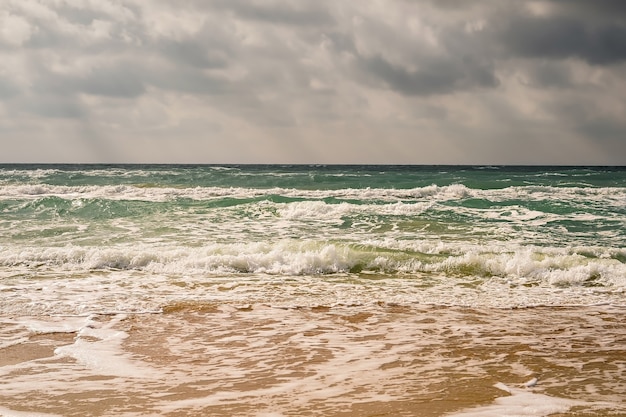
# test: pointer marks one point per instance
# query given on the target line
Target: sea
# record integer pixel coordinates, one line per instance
(321, 290)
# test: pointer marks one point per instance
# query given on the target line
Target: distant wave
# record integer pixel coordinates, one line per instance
(152, 192)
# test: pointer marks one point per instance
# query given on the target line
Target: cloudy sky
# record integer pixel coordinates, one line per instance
(324, 81)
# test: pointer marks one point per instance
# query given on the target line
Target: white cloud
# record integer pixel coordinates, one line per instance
(14, 30)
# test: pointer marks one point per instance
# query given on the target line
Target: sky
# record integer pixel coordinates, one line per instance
(324, 81)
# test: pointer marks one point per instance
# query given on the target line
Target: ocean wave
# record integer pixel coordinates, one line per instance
(530, 266)
(154, 193)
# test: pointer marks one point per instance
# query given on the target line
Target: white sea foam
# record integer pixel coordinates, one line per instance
(98, 347)
(323, 361)
(424, 237)
(54, 324)
(550, 266)
(18, 330)
(292, 279)
(521, 403)
(316, 210)
(431, 192)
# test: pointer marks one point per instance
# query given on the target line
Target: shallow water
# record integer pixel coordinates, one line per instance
(210, 359)
(495, 227)
(312, 290)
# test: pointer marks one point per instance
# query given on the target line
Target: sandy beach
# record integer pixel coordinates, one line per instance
(383, 360)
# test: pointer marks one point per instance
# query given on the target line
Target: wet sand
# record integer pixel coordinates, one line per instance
(380, 360)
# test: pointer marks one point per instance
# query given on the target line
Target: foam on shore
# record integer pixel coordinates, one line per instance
(521, 403)
(228, 360)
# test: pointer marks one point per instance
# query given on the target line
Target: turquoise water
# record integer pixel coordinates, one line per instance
(485, 236)
(312, 290)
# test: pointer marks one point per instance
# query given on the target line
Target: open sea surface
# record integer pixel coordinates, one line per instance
(267, 290)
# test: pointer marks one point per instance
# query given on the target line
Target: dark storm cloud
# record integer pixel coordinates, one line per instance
(593, 31)
(563, 37)
(437, 77)
(615, 9)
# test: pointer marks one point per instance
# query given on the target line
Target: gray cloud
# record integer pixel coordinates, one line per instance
(614, 9)
(438, 77)
(290, 13)
(82, 16)
(283, 12)
(188, 81)
(454, 4)
(560, 37)
(115, 81)
(7, 89)
(279, 76)
(193, 52)
(53, 107)
(604, 129)
(550, 74)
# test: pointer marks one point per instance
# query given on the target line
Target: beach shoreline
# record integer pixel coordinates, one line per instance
(211, 359)
(269, 290)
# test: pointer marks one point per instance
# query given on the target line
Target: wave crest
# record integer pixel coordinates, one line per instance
(526, 266)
